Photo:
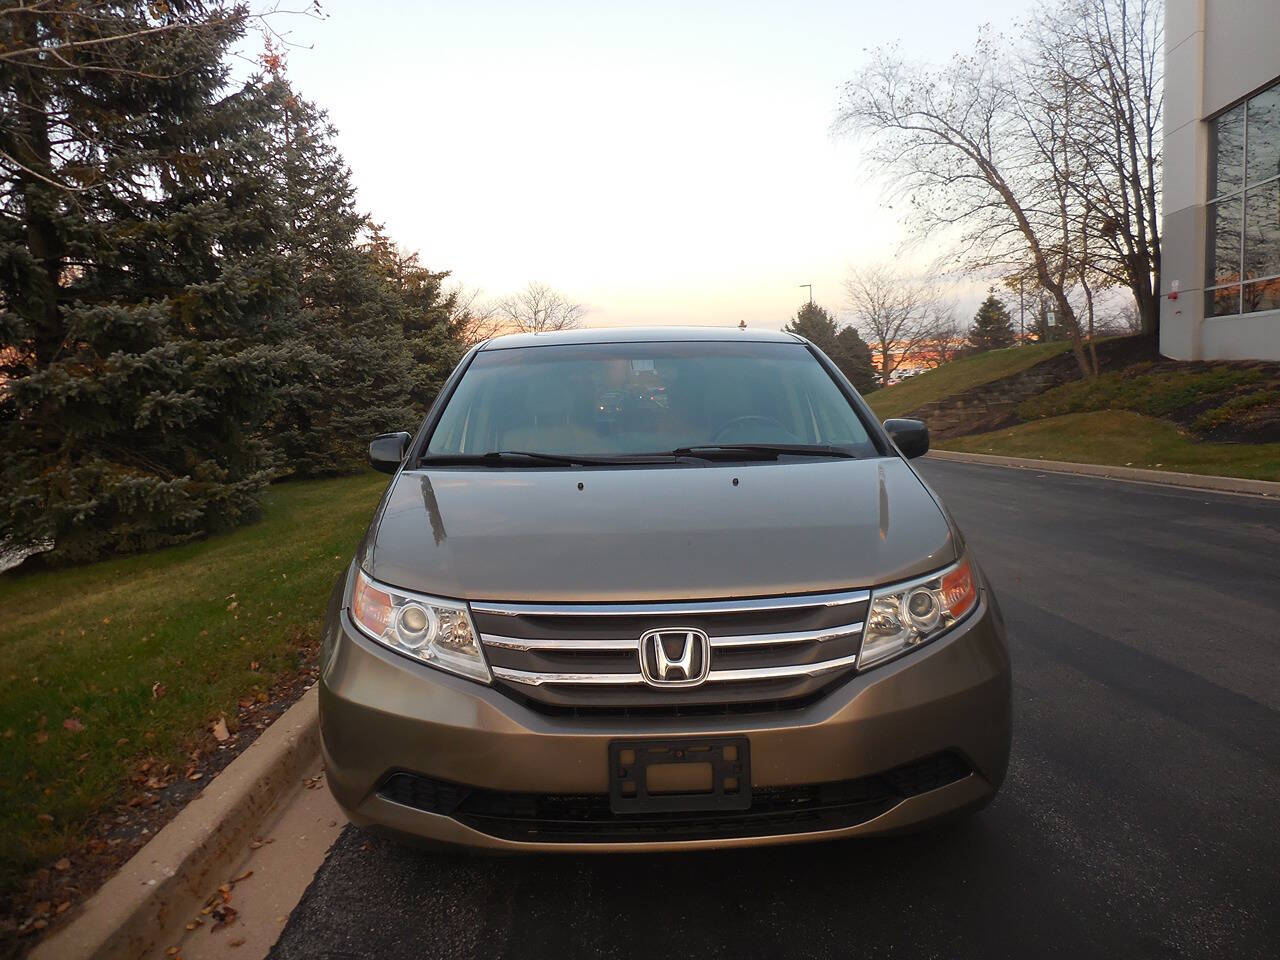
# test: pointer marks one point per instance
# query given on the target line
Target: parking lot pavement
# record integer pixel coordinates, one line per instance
(1139, 817)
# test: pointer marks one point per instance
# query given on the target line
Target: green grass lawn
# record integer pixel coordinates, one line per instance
(1122, 438)
(83, 648)
(958, 376)
(1229, 392)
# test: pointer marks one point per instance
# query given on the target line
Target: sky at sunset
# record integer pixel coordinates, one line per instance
(659, 162)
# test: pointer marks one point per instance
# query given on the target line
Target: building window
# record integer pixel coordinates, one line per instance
(1243, 271)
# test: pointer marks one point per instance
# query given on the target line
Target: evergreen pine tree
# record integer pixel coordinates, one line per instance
(844, 346)
(992, 327)
(141, 283)
(430, 317)
(347, 373)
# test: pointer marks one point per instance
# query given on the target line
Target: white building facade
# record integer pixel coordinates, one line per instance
(1220, 276)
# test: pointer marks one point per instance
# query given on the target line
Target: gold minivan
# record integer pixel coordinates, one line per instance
(658, 589)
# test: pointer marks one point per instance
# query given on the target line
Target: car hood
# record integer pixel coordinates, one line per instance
(656, 533)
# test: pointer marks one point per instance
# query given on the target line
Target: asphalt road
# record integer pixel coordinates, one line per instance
(1141, 817)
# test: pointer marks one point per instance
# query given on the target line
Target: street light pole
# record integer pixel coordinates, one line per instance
(810, 286)
(1022, 316)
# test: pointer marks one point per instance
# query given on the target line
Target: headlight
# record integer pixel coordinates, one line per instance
(905, 615)
(435, 631)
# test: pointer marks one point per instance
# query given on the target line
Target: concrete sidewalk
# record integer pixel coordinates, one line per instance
(142, 910)
(1262, 488)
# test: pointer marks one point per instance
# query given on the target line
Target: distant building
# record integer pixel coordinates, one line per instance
(1220, 280)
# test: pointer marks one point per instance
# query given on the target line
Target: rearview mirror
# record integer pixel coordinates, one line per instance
(387, 451)
(911, 436)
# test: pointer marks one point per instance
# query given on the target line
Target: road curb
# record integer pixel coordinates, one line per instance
(1263, 488)
(143, 908)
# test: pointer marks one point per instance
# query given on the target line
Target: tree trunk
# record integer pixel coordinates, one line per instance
(35, 154)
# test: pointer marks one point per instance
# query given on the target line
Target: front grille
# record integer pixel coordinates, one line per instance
(584, 659)
(587, 818)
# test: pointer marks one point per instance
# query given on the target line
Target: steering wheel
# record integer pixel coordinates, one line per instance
(756, 418)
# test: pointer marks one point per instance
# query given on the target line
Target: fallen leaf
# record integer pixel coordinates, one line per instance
(254, 666)
(44, 906)
(158, 690)
(238, 942)
(220, 729)
(223, 915)
(40, 924)
(72, 724)
(44, 818)
(254, 844)
(233, 604)
(171, 952)
(63, 907)
(42, 737)
(63, 865)
(195, 923)
(244, 876)
(194, 776)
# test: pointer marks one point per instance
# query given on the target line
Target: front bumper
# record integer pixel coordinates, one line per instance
(381, 714)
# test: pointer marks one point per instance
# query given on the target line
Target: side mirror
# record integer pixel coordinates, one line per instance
(911, 436)
(387, 451)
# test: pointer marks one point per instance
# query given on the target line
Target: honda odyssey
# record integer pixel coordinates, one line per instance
(659, 589)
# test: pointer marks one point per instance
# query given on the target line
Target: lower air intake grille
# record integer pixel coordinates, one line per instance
(587, 818)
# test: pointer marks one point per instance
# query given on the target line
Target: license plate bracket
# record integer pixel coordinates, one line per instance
(634, 786)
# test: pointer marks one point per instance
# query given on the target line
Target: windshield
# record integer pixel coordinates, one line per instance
(631, 399)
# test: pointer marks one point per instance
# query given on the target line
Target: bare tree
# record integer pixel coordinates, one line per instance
(900, 318)
(1041, 155)
(474, 318)
(971, 156)
(1110, 52)
(537, 309)
(946, 337)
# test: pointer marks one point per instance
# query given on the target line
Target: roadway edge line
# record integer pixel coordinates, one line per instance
(145, 904)
(1168, 478)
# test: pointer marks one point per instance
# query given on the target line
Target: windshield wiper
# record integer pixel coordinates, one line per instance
(514, 458)
(761, 451)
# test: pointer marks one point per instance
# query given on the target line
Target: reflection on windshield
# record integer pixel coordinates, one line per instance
(630, 399)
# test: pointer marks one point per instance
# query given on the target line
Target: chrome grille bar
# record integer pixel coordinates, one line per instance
(535, 679)
(718, 643)
(665, 609)
(520, 643)
(538, 678)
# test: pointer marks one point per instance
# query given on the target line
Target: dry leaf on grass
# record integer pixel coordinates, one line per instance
(62, 865)
(220, 731)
